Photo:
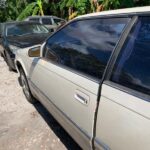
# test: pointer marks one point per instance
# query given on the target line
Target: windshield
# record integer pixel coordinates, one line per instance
(22, 29)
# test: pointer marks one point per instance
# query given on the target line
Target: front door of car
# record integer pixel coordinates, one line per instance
(69, 74)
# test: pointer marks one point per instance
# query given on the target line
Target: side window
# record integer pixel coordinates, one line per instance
(86, 45)
(47, 21)
(57, 21)
(132, 69)
(35, 19)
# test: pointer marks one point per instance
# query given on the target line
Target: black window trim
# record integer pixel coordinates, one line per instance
(112, 62)
(96, 80)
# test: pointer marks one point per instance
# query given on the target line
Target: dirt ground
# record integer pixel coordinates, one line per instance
(24, 126)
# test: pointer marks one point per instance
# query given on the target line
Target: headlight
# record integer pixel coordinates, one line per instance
(13, 48)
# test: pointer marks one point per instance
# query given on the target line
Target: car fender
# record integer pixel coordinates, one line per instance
(19, 60)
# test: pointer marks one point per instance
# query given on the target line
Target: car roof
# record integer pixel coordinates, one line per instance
(44, 17)
(21, 22)
(118, 12)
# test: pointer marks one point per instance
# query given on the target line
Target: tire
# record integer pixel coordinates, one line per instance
(2, 55)
(8, 61)
(25, 88)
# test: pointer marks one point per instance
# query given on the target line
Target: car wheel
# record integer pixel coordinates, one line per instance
(25, 88)
(1, 55)
(8, 61)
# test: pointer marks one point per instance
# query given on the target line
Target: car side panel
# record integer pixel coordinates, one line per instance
(65, 122)
(123, 121)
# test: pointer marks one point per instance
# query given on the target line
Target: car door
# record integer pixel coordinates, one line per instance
(70, 72)
(124, 112)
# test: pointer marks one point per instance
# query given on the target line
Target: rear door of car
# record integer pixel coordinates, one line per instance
(123, 121)
(69, 74)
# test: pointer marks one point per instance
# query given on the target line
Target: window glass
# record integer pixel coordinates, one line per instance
(86, 45)
(133, 65)
(59, 21)
(24, 29)
(47, 21)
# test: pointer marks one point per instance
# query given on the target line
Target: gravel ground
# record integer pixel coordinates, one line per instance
(24, 126)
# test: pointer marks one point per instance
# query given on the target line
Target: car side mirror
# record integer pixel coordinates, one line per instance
(34, 52)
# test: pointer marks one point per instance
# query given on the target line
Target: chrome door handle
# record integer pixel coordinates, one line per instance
(81, 97)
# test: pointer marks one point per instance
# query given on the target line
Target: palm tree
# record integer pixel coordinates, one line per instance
(11, 9)
(33, 8)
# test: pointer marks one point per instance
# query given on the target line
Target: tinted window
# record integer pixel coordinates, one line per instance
(58, 21)
(46, 21)
(22, 29)
(133, 65)
(86, 45)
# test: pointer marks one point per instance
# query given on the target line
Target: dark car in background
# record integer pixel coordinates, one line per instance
(18, 35)
(51, 22)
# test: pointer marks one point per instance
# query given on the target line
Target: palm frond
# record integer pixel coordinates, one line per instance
(27, 11)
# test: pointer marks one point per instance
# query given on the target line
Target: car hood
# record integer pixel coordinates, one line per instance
(28, 40)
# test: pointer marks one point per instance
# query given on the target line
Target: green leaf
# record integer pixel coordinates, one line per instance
(27, 11)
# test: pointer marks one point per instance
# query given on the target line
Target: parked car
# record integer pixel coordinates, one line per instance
(51, 22)
(18, 35)
(93, 76)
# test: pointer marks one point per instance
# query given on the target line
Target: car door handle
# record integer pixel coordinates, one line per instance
(81, 97)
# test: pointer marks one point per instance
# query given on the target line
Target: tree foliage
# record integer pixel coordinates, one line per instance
(68, 9)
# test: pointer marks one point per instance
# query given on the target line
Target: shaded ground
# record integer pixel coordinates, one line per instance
(24, 126)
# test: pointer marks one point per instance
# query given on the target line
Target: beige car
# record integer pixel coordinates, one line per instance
(93, 76)
(51, 22)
